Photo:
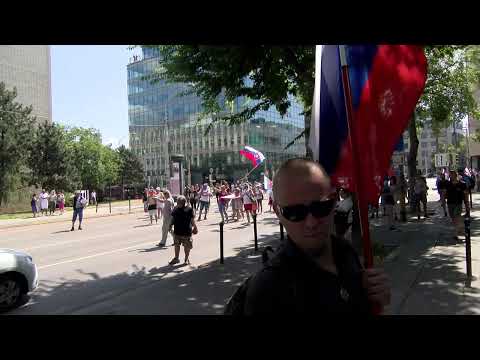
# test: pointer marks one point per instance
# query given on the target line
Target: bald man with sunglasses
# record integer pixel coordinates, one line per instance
(314, 272)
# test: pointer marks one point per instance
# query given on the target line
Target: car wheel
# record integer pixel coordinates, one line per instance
(10, 292)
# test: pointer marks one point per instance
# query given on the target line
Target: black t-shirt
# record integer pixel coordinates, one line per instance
(456, 192)
(294, 284)
(442, 184)
(182, 221)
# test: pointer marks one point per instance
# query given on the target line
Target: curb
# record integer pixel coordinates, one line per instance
(65, 220)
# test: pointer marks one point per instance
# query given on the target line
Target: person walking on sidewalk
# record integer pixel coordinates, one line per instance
(442, 191)
(160, 199)
(33, 204)
(456, 194)
(314, 272)
(222, 203)
(94, 198)
(205, 195)
(259, 195)
(389, 203)
(79, 203)
(193, 199)
(152, 206)
(167, 217)
(183, 222)
(249, 201)
(421, 195)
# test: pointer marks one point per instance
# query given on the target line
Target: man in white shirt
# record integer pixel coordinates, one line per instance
(249, 200)
(205, 195)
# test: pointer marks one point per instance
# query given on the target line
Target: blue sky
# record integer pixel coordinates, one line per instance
(89, 88)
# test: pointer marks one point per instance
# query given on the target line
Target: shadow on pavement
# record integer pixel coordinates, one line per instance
(61, 231)
(426, 276)
(177, 290)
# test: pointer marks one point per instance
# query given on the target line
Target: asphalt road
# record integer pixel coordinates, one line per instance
(113, 266)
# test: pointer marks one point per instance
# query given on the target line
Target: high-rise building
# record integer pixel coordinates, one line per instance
(27, 67)
(428, 146)
(162, 122)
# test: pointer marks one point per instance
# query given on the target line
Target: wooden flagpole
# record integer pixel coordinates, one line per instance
(362, 204)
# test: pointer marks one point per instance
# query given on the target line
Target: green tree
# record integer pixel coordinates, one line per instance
(85, 145)
(16, 125)
(109, 166)
(264, 75)
(448, 95)
(131, 169)
(50, 162)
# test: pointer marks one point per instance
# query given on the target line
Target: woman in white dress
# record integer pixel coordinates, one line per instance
(44, 202)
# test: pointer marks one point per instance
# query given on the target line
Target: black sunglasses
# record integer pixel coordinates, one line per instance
(318, 209)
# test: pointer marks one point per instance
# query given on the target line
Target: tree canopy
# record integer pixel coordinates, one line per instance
(16, 124)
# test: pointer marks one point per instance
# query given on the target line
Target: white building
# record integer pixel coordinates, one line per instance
(427, 147)
(27, 67)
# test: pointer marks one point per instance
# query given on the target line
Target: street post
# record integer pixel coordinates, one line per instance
(468, 249)
(221, 242)
(110, 198)
(282, 236)
(254, 216)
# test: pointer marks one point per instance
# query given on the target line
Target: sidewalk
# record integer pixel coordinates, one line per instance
(428, 269)
(88, 213)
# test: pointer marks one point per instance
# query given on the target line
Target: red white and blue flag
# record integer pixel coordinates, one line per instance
(255, 156)
(386, 82)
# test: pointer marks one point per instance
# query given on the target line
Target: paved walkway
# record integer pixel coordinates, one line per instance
(428, 270)
(89, 212)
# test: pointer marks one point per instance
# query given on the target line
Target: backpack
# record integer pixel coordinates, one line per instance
(236, 304)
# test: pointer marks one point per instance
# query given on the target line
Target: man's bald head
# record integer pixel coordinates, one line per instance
(297, 169)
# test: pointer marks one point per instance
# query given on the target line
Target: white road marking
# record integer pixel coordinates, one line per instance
(93, 256)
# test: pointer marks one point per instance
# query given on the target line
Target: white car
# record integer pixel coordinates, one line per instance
(18, 277)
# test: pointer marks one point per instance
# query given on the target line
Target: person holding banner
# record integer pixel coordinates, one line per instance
(314, 272)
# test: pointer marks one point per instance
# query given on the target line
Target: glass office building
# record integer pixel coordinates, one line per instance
(27, 67)
(162, 123)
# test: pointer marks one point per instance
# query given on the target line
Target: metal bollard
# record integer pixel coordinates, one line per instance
(254, 216)
(282, 236)
(221, 242)
(468, 247)
(96, 206)
(129, 206)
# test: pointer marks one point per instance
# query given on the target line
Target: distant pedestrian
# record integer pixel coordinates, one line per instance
(79, 203)
(343, 216)
(237, 205)
(160, 202)
(152, 206)
(93, 197)
(420, 189)
(456, 194)
(44, 202)
(144, 199)
(249, 201)
(33, 204)
(61, 202)
(52, 202)
(205, 195)
(183, 223)
(222, 203)
(193, 199)
(389, 203)
(259, 195)
(270, 199)
(167, 217)
(442, 184)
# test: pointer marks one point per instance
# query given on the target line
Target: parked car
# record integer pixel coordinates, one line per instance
(18, 277)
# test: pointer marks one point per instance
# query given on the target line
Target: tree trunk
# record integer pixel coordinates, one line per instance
(412, 156)
(308, 151)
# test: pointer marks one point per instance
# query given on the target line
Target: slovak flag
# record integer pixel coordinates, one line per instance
(255, 156)
(386, 82)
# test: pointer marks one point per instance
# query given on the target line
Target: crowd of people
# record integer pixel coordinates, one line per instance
(46, 203)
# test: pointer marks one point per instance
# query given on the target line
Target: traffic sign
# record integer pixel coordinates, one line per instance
(441, 160)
